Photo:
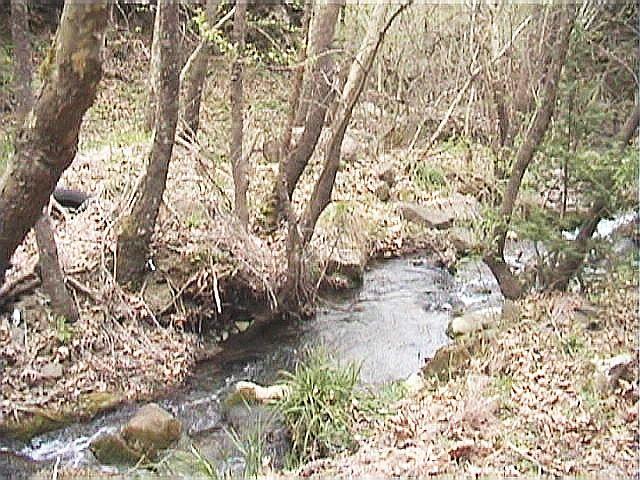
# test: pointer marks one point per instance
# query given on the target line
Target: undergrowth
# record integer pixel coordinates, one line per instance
(319, 410)
(324, 404)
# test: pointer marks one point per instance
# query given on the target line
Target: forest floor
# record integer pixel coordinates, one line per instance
(526, 403)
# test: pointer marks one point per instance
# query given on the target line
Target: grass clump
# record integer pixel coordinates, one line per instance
(320, 408)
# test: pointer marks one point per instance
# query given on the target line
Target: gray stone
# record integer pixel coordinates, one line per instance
(348, 261)
(481, 319)
(253, 392)
(463, 239)
(427, 216)
(151, 429)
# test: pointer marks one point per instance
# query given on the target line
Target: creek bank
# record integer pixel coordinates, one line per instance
(361, 325)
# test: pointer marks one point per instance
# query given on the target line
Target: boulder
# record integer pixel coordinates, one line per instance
(481, 319)
(252, 392)
(429, 217)
(463, 239)
(414, 383)
(51, 371)
(448, 359)
(350, 148)
(151, 429)
(348, 261)
(441, 213)
(111, 449)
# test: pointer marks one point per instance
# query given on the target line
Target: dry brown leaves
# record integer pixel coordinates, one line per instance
(526, 405)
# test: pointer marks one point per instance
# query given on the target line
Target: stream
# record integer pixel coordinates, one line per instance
(390, 325)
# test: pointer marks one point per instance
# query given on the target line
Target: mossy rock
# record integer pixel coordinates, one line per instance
(42, 420)
(34, 423)
(111, 449)
(151, 429)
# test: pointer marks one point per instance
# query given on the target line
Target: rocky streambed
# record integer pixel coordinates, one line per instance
(391, 325)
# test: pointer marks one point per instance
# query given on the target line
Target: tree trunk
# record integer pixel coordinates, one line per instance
(195, 73)
(47, 144)
(22, 55)
(137, 228)
(276, 207)
(297, 241)
(239, 162)
(356, 80)
(154, 73)
(62, 303)
(50, 270)
(296, 89)
(318, 82)
(509, 285)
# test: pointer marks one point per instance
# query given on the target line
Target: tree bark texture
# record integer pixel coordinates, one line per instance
(137, 228)
(298, 78)
(195, 73)
(509, 285)
(53, 284)
(22, 56)
(318, 81)
(47, 142)
(239, 163)
(154, 73)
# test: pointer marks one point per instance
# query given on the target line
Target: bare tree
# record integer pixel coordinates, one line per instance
(318, 81)
(239, 162)
(321, 196)
(53, 283)
(136, 229)
(50, 269)
(47, 144)
(154, 74)
(509, 284)
(194, 73)
(296, 88)
(22, 55)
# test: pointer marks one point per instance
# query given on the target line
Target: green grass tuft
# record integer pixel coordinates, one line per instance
(319, 410)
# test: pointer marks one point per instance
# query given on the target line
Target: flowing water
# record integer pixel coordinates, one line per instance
(390, 325)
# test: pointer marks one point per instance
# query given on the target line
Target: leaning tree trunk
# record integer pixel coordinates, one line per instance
(239, 162)
(47, 144)
(22, 55)
(62, 303)
(318, 81)
(356, 80)
(137, 228)
(194, 74)
(509, 284)
(154, 73)
(360, 68)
